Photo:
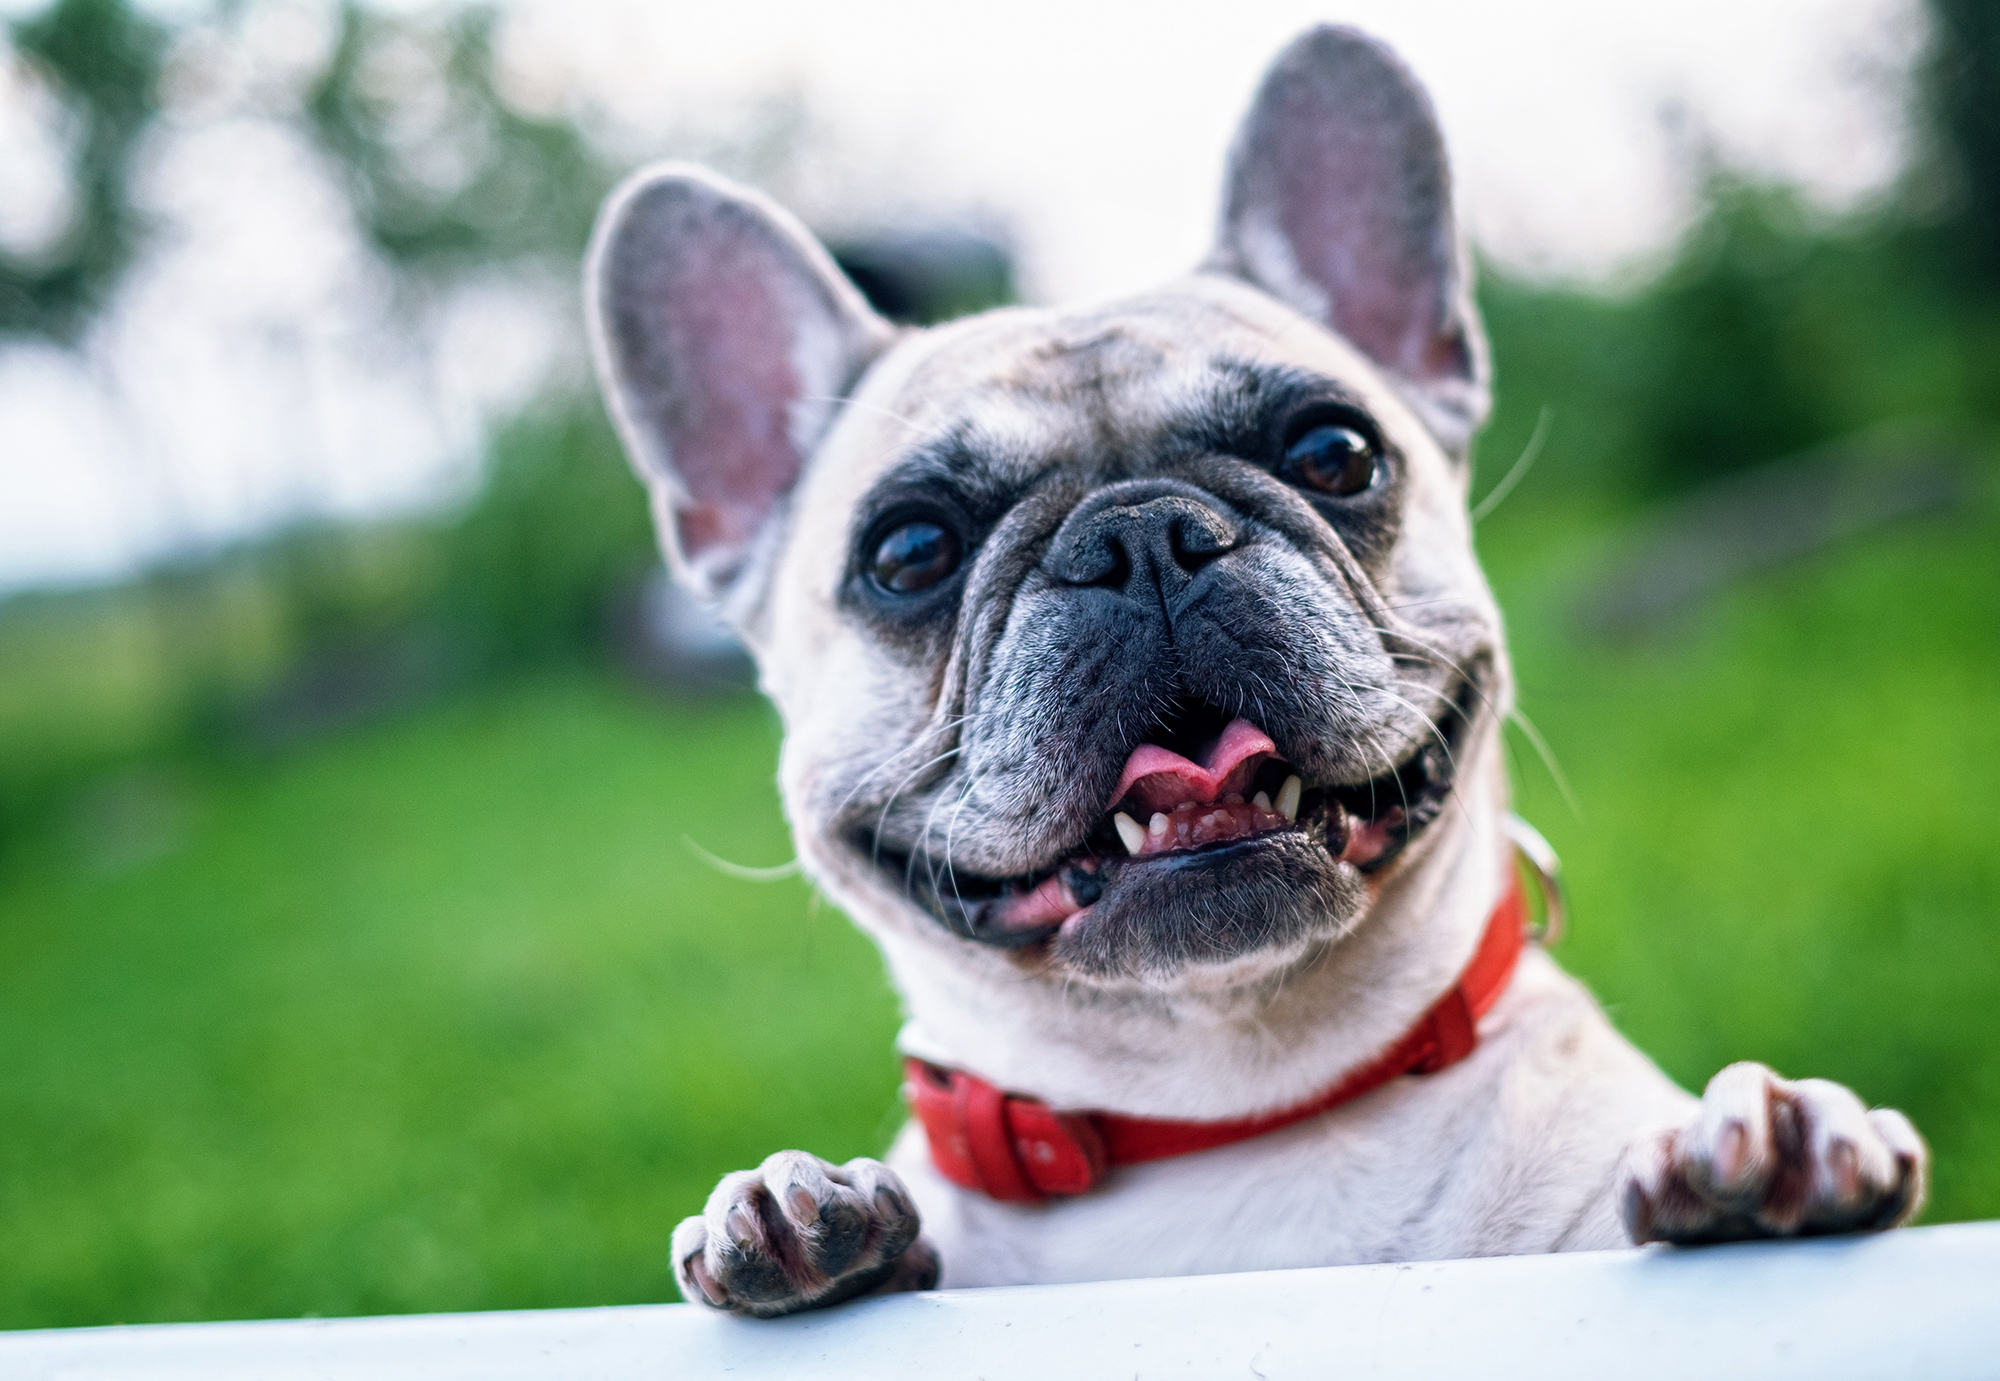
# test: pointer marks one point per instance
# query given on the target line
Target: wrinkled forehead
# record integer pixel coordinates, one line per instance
(1015, 392)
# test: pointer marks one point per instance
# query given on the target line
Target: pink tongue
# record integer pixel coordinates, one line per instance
(1159, 779)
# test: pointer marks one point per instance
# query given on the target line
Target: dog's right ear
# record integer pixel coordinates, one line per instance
(725, 339)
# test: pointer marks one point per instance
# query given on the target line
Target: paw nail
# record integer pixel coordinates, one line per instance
(805, 1208)
(1730, 1150)
(698, 1269)
(737, 1225)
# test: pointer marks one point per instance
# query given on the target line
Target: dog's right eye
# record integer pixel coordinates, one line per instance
(913, 557)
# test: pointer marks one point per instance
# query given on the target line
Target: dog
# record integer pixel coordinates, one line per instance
(1142, 699)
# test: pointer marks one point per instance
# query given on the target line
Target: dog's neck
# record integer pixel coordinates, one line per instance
(1233, 1049)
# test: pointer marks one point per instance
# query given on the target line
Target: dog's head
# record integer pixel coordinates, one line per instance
(1128, 644)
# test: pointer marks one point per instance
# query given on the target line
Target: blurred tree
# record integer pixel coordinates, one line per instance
(103, 60)
(1728, 378)
(559, 528)
(1958, 115)
(443, 171)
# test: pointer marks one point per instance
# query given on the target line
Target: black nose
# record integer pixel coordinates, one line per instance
(1140, 537)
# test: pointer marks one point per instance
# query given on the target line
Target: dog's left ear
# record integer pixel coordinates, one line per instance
(725, 339)
(1338, 203)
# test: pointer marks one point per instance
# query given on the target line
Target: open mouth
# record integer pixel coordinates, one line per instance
(1208, 787)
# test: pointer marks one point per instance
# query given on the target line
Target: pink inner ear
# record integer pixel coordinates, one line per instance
(1345, 211)
(728, 340)
(1340, 202)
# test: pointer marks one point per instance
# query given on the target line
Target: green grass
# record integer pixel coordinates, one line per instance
(440, 1016)
(1786, 842)
(443, 1014)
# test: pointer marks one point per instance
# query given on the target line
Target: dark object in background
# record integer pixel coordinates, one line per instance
(1734, 528)
(929, 275)
(1956, 88)
(673, 642)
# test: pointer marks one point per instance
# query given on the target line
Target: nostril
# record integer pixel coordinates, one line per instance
(1102, 560)
(1112, 566)
(1118, 570)
(1194, 544)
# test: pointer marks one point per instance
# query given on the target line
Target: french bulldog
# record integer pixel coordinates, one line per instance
(1142, 699)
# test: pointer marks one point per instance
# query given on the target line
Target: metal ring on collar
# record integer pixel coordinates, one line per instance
(1534, 851)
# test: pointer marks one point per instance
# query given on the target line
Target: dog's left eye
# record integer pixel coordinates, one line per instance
(914, 557)
(1335, 456)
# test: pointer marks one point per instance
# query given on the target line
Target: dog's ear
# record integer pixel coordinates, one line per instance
(725, 339)
(1338, 203)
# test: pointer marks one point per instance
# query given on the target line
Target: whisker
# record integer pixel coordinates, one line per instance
(1548, 756)
(927, 736)
(743, 871)
(856, 403)
(882, 817)
(1437, 656)
(1428, 722)
(1529, 454)
(1453, 795)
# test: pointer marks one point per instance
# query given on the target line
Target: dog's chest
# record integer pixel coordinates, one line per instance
(1507, 1152)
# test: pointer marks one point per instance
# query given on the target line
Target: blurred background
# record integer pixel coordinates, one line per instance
(363, 946)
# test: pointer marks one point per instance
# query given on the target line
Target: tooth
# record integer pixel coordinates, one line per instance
(1157, 826)
(1262, 801)
(1288, 798)
(1131, 831)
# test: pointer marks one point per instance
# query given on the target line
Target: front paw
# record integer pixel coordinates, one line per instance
(1768, 1157)
(799, 1233)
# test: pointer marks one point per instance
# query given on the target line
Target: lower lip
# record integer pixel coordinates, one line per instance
(1050, 903)
(1175, 858)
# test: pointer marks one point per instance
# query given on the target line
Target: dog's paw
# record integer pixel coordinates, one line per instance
(1770, 1157)
(800, 1233)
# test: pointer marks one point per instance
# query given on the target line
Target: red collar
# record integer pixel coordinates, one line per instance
(1021, 1150)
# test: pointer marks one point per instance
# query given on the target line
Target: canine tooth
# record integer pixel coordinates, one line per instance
(1131, 831)
(1288, 798)
(1157, 826)
(1262, 801)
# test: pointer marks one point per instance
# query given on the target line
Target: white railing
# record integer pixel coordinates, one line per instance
(1924, 1303)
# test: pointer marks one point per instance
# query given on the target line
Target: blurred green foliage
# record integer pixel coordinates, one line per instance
(560, 528)
(461, 178)
(1959, 158)
(200, 656)
(103, 57)
(1772, 329)
(350, 955)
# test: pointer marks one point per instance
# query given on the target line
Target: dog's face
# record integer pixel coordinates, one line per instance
(1123, 645)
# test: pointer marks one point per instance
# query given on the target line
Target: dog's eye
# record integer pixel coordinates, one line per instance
(914, 557)
(1333, 456)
